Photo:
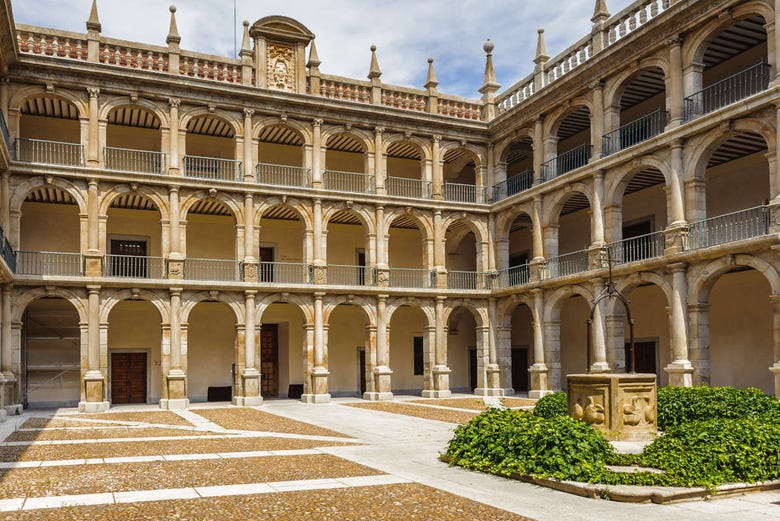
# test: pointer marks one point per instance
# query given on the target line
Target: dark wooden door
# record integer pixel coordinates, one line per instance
(128, 378)
(266, 271)
(473, 369)
(520, 369)
(269, 359)
(362, 364)
(361, 270)
(645, 357)
(128, 258)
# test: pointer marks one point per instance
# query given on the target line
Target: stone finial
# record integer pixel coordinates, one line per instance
(541, 47)
(373, 71)
(93, 24)
(489, 84)
(600, 13)
(430, 80)
(246, 42)
(314, 59)
(173, 32)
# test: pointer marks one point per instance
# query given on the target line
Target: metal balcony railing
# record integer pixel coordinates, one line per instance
(339, 275)
(212, 269)
(49, 152)
(566, 264)
(463, 193)
(727, 91)
(634, 132)
(513, 185)
(8, 253)
(411, 278)
(284, 273)
(212, 168)
(283, 175)
(128, 160)
(404, 187)
(730, 227)
(4, 130)
(348, 181)
(638, 248)
(468, 280)
(566, 162)
(49, 263)
(513, 276)
(134, 267)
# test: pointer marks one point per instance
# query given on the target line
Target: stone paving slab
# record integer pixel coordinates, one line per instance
(420, 411)
(248, 419)
(161, 417)
(98, 433)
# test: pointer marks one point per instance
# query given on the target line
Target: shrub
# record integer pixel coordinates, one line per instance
(552, 405)
(679, 405)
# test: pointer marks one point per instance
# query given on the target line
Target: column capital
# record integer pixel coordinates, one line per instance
(378, 131)
(674, 41)
(436, 138)
(317, 122)
(678, 267)
(596, 85)
(92, 290)
(173, 189)
(677, 143)
(248, 113)
(93, 92)
(174, 102)
(250, 293)
(93, 182)
(176, 292)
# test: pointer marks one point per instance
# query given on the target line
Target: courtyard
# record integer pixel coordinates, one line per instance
(346, 460)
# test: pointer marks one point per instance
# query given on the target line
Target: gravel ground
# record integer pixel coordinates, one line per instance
(160, 417)
(98, 433)
(151, 448)
(53, 423)
(429, 413)
(408, 502)
(518, 402)
(93, 479)
(248, 419)
(475, 404)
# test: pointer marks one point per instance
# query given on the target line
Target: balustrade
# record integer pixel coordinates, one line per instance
(283, 175)
(212, 168)
(49, 152)
(128, 160)
(727, 91)
(47, 263)
(348, 181)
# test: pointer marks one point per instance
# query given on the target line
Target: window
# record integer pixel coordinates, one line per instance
(419, 363)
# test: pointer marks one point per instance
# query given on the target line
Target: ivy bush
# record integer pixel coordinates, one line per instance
(552, 405)
(680, 405)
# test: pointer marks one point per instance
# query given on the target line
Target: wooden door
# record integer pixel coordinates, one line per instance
(520, 369)
(644, 356)
(472, 369)
(362, 366)
(269, 359)
(128, 378)
(361, 269)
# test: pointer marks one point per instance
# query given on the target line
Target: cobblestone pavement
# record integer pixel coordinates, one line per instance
(287, 461)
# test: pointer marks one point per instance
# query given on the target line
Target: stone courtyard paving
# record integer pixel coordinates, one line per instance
(283, 460)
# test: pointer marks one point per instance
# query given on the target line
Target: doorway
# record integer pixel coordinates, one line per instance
(269, 360)
(128, 378)
(645, 353)
(520, 369)
(266, 256)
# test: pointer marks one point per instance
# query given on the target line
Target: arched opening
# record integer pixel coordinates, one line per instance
(568, 146)
(405, 171)
(134, 339)
(348, 351)
(283, 348)
(211, 150)
(346, 161)
(460, 248)
(210, 246)
(519, 251)
(516, 169)
(640, 214)
(411, 350)
(49, 234)
(732, 65)
(211, 352)
(281, 157)
(282, 249)
(407, 254)
(349, 249)
(516, 362)
(134, 141)
(51, 356)
(639, 112)
(572, 355)
(568, 251)
(134, 238)
(466, 357)
(462, 180)
(49, 132)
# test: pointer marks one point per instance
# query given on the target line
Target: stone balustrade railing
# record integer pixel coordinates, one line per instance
(408, 99)
(210, 67)
(336, 87)
(461, 108)
(117, 52)
(48, 42)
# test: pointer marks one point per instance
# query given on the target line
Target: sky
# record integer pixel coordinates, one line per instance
(406, 32)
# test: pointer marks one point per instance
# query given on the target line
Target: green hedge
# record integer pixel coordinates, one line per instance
(552, 405)
(680, 405)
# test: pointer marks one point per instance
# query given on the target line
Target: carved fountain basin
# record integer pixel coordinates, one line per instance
(622, 406)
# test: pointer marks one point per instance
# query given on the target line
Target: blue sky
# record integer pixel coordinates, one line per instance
(406, 32)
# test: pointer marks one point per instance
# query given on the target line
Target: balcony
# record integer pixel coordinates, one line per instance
(7, 251)
(128, 160)
(514, 276)
(566, 264)
(513, 185)
(284, 273)
(348, 182)
(727, 91)
(638, 248)
(412, 188)
(212, 168)
(49, 152)
(467, 280)
(348, 275)
(566, 162)
(730, 227)
(51, 264)
(634, 132)
(283, 175)
(411, 278)
(462, 193)
(134, 267)
(212, 270)
(4, 130)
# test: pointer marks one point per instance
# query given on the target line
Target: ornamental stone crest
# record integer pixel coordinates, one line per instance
(281, 66)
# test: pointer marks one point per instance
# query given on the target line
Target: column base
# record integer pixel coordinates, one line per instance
(599, 367)
(92, 407)
(437, 394)
(680, 373)
(315, 398)
(382, 375)
(247, 401)
(174, 403)
(508, 392)
(378, 397)
(775, 369)
(535, 395)
(488, 391)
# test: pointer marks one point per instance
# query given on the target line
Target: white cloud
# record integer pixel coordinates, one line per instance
(406, 32)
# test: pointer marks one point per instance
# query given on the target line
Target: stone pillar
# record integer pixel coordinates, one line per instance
(176, 379)
(437, 175)
(536, 223)
(439, 263)
(316, 154)
(675, 234)
(95, 392)
(675, 83)
(318, 255)
(175, 257)
(93, 148)
(250, 375)
(487, 352)
(775, 368)
(249, 170)
(319, 373)
(429, 360)
(552, 352)
(597, 118)
(699, 320)
(538, 369)
(597, 223)
(93, 257)
(10, 403)
(382, 371)
(441, 372)
(173, 161)
(250, 261)
(598, 335)
(538, 146)
(680, 370)
(380, 161)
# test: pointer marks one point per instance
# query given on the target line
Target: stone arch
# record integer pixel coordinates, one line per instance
(553, 120)
(303, 211)
(230, 300)
(627, 284)
(500, 148)
(160, 201)
(227, 117)
(613, 91)
(423, 147)
(21, 191)
(618, 179)
(480, 313)
(22, 95)
(305, 306)
(553, 206)
(423, 221)
(77, 298)
(364, 214)
(477, 227)
(425, 306)
(155, 297)
(702, 283)
(554, 301)
(304, 132)
(227, 199)
(505, 220)
(364, 303)
(507, 307)
(361, 136)
(122, 101)
(474, 152)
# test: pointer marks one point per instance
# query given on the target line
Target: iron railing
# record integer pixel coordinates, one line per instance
(348, 181)
(4, 130)
(7, 251)
(730, 227)
(566, 162)
(513, 276)
(463, 193)
(134, 266)
(410, 278)
(468, 280)
(212, 168)
(284, 273)
(49, 263)
(727, 91)
(283, 175)
(339, 275)
(566, 264)
(634, 132)
(128, 160)
(212, 269)
(403, 187)
(513, 185)
(49, 152)
(637, 248)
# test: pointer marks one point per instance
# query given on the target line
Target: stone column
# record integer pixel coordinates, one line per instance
(775, 368)
(382, 372)
(318, 255)
(441, 372)
(93, 257)
(437, 175)
(487, 352)
(6, 354)
(699, 320)
(538, 146)
(176, 379)
(95, 391)
(598, 335)
(439, 251)
(429, 360)
(316, 154)
(250, 376)
(319, 373)
(173, 165)
(552, 352)
(680, 370)
(93, 148)
(380, 161)
(597, 118)
(175, 257)
(249, 170)
(675, 83)
(250, 261)
(596, 249)
(539, 368)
